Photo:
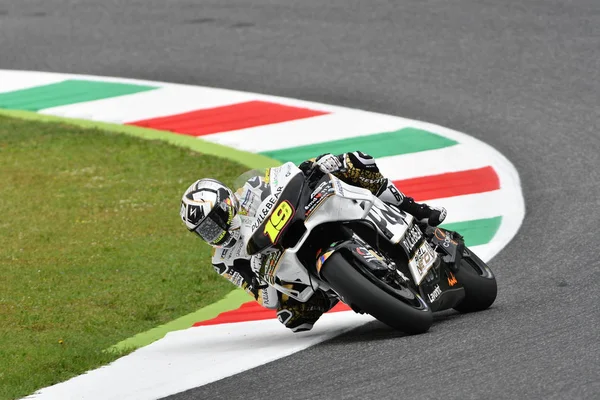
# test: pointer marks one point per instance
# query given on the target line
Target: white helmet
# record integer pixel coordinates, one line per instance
(209, 208)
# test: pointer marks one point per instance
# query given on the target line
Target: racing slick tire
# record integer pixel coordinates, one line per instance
(478, 281)
(400, 308)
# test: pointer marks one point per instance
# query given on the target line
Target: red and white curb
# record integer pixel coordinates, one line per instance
(197, 356)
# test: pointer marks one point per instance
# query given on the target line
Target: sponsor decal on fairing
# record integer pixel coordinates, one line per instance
(321, 260)
(262, 214)
(323, 191)
(435, 294)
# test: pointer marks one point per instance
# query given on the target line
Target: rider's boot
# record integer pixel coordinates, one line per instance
(299, 316)
(423, 213)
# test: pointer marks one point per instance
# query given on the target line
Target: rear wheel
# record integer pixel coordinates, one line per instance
(396, 305)
(478, 281)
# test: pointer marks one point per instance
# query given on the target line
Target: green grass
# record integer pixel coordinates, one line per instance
(92, 250)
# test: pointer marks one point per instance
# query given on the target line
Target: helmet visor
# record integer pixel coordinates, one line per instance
(214, 229)
(210, 230)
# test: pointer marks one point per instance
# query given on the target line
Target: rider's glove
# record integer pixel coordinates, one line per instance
(437, 216)
(256, 263)
(251, 287)
(329, 163)
(254, 286)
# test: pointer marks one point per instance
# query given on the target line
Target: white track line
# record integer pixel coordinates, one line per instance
(17, 80)
(472, 206)
(195, 357)
(454, 158)
(324, 128)
(151, 104)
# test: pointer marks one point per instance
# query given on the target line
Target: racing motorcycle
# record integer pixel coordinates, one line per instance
(342, 240)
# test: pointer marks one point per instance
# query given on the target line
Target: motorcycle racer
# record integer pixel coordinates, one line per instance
(212, 211)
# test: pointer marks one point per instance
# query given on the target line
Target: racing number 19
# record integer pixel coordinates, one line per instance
(279, 218)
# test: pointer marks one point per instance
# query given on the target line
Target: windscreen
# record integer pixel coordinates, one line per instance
(253, 174)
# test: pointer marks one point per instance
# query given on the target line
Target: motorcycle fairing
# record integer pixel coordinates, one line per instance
(277, 213)
(448, 244)
(286, 228)
(441, 289)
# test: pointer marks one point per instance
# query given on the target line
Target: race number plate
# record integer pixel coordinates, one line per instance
(422, 262)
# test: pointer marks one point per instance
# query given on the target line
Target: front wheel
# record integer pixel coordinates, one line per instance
(399, 307)
(478, 281)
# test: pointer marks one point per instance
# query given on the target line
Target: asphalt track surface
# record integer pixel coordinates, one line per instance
(521, 75)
